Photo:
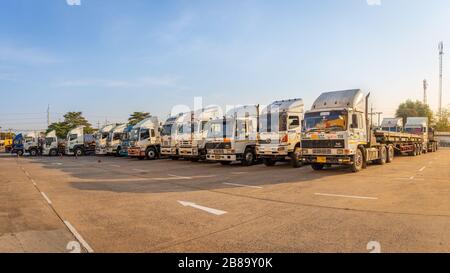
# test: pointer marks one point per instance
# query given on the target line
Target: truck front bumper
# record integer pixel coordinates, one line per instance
(135, 152)
(100, 151)
(328, 159)
(170, 151)
(272, 151)
(189, 151)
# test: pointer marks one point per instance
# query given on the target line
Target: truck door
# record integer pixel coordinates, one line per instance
(357, 127)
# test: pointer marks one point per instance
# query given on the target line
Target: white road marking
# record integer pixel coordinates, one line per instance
(46, 198)
(347, 196)
(238, 173)
(139, 170)
(421, 169)
(79, 237)
(180, 177)
(209, 210)
(242, 185)
(57, 163)
(115, 166)
(411, 178)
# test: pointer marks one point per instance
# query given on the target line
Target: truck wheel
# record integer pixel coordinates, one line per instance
(295, 163)
(78, 152)
(53, 152)
(33, 152)
(20, 152)
(269, 162)
(194, 159)
(317, 167)
(383, 156)
(390, 154)
(118, 151)
(249, 157)
(225, 163)
(151, 153)
(358, 161)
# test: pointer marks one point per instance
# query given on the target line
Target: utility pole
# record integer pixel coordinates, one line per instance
(441, 54)
(425, 87)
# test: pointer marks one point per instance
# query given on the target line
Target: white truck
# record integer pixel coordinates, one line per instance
(234, 137)
(191, 143)
(78, 143)
(52, 145)
(114, 140)
(101, 138)
(420, 126)
(392, 125)
(173, 127)
(145, 139)
(280, 132)
(337, 132)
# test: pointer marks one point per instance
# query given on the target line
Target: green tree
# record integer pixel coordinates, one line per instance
(71, 121)
(443, 124)
(137, 117)
(414, 109)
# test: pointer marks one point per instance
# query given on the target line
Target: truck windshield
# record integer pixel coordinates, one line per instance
(273, 122)
(414, 130)
(134, 134)
(166, 129)
(49, 140)
(217, 128)
(332, 121)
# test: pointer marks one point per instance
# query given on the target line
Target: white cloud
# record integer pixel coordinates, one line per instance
(374, 2)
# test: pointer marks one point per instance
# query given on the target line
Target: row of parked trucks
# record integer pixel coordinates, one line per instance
(335, 131)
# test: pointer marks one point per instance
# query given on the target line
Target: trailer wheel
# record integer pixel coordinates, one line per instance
(390, 154)
(269, 162)
(249, 157)
(150, 153)
(358, 161)
(317, 167)
(383, 156)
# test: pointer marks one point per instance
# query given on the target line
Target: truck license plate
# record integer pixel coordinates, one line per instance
(217, 157)
(321, 159)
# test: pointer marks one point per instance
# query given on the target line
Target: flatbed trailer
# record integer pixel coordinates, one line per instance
(401, 142)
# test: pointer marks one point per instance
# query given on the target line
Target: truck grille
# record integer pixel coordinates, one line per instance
(219, 145)
(328, 143)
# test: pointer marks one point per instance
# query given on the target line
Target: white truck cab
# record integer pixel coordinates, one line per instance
(101, 139)
(78, 143)
(234, 137)
(172, 128)
(419, 126)
(50, 146)
(116, 134)
(192, 141)
(280, 132)
(392, 125)
(145, 139)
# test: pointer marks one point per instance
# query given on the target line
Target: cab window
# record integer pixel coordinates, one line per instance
(73, 137)
(145, 134)
(294, 122)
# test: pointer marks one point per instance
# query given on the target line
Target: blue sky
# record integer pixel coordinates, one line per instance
(110, 58)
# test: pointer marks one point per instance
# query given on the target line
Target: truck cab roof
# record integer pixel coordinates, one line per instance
(337, 100)
(416, 121)
(290, 105)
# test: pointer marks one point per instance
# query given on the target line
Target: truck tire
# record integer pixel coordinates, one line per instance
(195, 159)
(53, 152)
(118, 151)
(225, 163)
(78, 152)
(33, 152)
(248, 157)
(358, 161)
(295, 163)
(150, 153)
(383, 156)
(269, 162)
(317, 167)
(390, 154)
(20, 152)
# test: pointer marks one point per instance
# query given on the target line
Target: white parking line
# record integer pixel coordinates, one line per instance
(57, 163)
(242, 185)
(209, 210)
(346, 196)
(115, 166)
(238, 173)
(139, 170)
(46, 198)
(411, 178)
(421, 169)
(79, 237)
(180, 177)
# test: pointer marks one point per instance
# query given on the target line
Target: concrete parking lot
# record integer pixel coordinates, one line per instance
(124, 205)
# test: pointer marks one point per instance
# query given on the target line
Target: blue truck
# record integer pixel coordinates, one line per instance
(30, 143)
(125, 144)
